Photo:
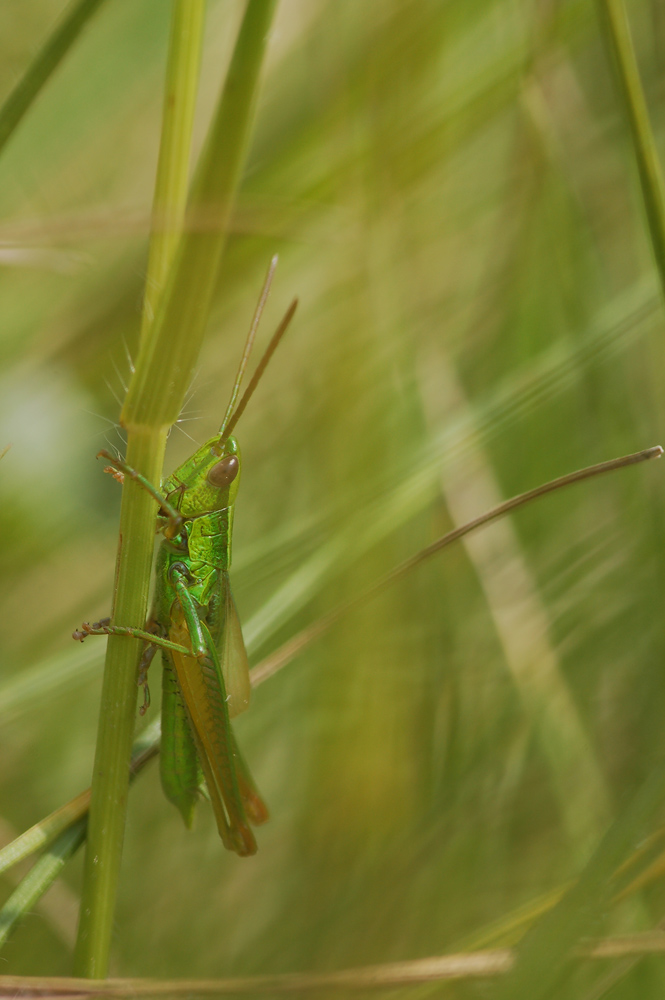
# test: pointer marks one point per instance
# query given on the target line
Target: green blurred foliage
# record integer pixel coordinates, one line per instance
(452, 192)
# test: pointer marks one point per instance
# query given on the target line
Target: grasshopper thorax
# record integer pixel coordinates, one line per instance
(208, 481)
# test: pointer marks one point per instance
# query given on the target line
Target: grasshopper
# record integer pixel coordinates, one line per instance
(205, 678)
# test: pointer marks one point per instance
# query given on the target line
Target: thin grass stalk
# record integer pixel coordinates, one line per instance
(40, 877)
(622, 52)
(485, 964)
(61, 833)
(43, 65)
(45, 833)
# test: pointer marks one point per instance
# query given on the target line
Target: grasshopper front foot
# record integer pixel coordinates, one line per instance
(121, 472)
(150, 635)
(102, 627)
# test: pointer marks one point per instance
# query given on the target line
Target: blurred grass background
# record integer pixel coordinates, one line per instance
(453, 195)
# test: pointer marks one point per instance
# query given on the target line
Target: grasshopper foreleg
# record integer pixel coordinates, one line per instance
(118, 466)
(103, 628)
(152, 635)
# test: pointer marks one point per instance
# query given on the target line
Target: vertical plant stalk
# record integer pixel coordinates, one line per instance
(116, 727)
(172, 181)
(620, 43)
(167, 354)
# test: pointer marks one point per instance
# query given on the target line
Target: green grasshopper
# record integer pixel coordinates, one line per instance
(205, 679)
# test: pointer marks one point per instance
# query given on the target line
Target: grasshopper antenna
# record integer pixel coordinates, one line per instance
(258, 312)
(261, 367)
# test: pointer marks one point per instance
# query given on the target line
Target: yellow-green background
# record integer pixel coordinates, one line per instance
(452, 192)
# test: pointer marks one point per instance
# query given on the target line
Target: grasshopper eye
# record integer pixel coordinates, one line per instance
(224, 472)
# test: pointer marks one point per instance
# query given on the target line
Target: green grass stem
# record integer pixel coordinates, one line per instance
(619, 42)
(46, 832)
(44, 65)
(145, 450)
(172, 181)
(116, 722)
(167, 353)
(40, 877)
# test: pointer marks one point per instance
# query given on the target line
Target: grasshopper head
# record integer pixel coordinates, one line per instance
(209, 480)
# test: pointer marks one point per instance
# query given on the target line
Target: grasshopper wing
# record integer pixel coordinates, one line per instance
(203, 694)
(233, 655)
(178, 761)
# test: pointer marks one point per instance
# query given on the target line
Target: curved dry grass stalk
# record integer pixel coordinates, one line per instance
(439, 968)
